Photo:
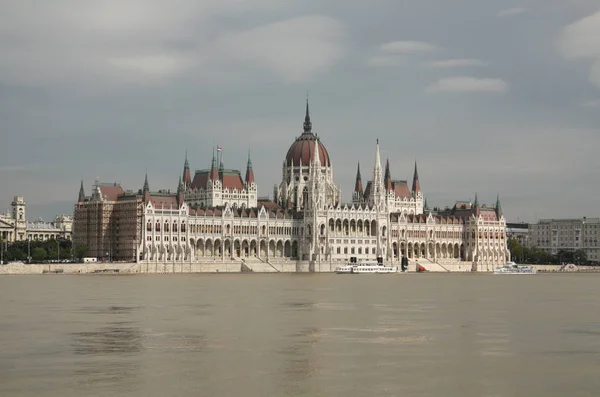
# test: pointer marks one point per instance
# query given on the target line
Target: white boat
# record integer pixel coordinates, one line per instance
(513, 268)
(366, 267)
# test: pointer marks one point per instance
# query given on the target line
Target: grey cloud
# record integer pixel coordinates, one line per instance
(512, 11)
(468, 84)
(112, 90)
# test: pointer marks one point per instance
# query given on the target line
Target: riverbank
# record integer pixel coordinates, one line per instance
(229, 267)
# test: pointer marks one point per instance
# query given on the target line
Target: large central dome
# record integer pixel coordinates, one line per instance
(303, 149)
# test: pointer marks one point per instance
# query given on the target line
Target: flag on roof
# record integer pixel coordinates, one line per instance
(219, 148)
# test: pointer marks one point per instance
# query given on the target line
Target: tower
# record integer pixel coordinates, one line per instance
(19, 215)
(187, 177)
(416, 186)
(357, 195)
(499, 213)
(377, 194)
(81, 193)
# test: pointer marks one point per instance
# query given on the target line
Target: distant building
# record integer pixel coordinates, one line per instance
(15, 227)
(519, 231)
(553, 235)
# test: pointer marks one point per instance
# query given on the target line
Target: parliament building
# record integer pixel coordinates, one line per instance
(216, 215)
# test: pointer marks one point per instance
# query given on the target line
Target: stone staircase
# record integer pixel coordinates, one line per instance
(427, 264)
(257, 265)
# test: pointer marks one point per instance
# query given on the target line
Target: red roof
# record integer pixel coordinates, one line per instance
(401, 189)
(164, 201)
(111, 192)
(303, 149)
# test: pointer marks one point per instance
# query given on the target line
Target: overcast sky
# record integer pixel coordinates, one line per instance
(488, 96)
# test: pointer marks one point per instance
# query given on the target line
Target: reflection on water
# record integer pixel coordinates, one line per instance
(300, 360)
(116, 338)
(257, 336)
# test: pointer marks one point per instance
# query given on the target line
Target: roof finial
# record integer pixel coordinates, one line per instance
(307, 123)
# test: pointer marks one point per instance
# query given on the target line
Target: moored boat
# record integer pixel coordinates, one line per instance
(366, 267)
(513, 268)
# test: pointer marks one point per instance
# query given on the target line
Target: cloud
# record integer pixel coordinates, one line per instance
(512, 11)
(595, 104)
(386, 60)
(295, 49)
(581, 40)
(407, 47)
(453, 63)
(110, 42)
(396, 53)
(468, 84)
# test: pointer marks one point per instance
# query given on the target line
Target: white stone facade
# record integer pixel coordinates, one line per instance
(317, 228)
(15, 227)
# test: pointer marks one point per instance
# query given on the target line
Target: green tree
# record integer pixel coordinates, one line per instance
(38, 254)
(516, 249)
(80, 251)
(579, 257)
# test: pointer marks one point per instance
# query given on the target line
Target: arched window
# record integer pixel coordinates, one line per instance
(175, 227)
(149, 227)
(166, 226)
(157, 226)
(183, 227)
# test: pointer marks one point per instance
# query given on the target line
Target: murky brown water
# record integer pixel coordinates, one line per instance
(300, 335)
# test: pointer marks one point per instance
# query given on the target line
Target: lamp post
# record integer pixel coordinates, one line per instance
(29, 249)
(58, 250)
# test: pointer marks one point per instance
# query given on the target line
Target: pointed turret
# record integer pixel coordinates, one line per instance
(476, 204)
(180, 192)
(387, 180)
(416, 186)
(81, 193)
(187, 177)
(146, 188)
(425, 205)
(358, 187)
(317, 157)
(249, 172)
(307, 123)
(377, 189)
(498, 207)
(214, 174)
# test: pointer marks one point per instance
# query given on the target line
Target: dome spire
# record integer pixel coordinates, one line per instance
(307, 123)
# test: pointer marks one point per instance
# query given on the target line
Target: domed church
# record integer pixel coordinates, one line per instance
(217, 216)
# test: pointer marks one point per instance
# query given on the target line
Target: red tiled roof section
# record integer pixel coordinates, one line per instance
(268, 204)
(200, 180)
(111, 192)
(232, 180)
(164, 201)
(401, 189)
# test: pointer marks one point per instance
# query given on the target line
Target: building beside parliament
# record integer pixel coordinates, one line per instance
(14, 225)
(216, 215)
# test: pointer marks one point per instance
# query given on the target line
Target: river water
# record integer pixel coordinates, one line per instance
(300, 335)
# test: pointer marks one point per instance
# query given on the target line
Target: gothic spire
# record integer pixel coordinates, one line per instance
(146, 188)
(498, 207)
(307, 123)
(425, 205)
(187, 177)
(358, 187)
(476, 204)
(416, 186)
(214, 175)
(249, 172)
(387, 180)
(81, 193)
